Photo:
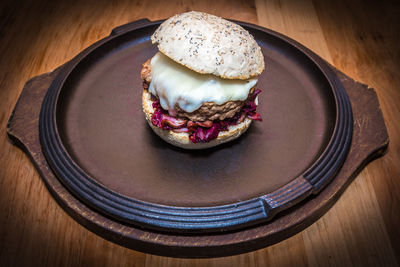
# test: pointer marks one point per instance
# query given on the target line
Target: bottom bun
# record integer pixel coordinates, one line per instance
(182, 139)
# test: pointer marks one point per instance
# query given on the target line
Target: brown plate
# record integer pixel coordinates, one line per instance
(95, 138)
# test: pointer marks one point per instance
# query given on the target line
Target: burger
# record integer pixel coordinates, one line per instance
(199, 89)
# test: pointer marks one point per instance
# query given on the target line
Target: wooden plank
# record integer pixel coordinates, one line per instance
(40, 35)
(297, 20)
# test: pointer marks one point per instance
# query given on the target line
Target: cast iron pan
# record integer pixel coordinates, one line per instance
(97, 142)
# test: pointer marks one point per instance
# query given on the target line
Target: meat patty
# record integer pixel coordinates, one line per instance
(145, 73)
(209, 111)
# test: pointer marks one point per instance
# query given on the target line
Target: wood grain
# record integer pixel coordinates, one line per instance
(360, 229)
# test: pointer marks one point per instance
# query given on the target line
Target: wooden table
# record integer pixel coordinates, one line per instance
(362, 40)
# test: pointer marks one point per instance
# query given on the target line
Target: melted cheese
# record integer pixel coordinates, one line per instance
(175, 84)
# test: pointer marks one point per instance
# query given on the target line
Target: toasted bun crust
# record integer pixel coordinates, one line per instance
(210, 45)
(182, 139)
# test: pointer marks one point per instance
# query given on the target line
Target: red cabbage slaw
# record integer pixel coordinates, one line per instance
(203, 132)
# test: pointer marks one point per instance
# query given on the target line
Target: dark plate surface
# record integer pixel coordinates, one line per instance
(101, 132)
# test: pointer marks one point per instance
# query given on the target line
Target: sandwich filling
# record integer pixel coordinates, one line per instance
(201, 105)
(175, 84)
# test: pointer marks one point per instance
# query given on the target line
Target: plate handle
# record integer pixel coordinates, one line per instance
(24, 118)
(287, 196)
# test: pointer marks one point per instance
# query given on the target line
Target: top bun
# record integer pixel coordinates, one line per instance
(209, 44)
